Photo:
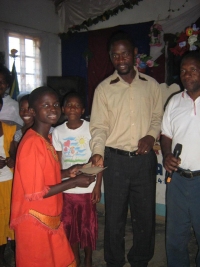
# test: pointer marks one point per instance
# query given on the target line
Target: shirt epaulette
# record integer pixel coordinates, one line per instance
(115, 81)
(141, 78)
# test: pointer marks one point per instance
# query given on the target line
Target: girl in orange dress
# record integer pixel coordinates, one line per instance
(36, 197)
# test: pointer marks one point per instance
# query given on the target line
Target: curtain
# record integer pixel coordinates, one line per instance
(100, 66)
(86, 55)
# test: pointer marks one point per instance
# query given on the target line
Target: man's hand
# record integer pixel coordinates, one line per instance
(84, 180)
(170, 162)
(145, 144)
(97, 160)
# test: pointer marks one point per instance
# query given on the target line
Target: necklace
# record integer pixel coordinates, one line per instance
(49, 146)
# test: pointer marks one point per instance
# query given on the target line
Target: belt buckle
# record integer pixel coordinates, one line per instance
(189, 174)
(129, 154)
(132, 154)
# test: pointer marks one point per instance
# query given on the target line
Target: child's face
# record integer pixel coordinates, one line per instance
(73, 108)
(46, 109)
(25, 113)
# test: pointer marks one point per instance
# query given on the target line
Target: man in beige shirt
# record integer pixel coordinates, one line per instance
(125, 121)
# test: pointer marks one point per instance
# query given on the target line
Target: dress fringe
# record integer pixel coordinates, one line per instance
(38, 195)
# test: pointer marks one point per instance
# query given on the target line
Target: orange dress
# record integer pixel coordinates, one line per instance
(39, 234)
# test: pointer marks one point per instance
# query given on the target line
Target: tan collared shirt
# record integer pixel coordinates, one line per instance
(123, 113)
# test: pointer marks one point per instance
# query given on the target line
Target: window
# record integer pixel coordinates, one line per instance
(27, 61)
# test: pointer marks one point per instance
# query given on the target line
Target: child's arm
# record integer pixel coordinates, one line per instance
(2, 162)
(80, 181)
(71, 171)
(96, 194)
(10, 161)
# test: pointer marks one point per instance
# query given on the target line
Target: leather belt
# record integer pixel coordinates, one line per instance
(122, 152)
(188, 173)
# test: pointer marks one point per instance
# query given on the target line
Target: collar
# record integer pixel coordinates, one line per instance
(115, 77)
(185, 95)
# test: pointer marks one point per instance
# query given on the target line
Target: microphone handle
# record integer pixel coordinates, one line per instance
(168, 174)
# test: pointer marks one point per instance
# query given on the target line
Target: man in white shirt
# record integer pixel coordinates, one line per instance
(181, 124)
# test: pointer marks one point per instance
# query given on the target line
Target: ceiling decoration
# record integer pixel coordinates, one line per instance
(76, 15)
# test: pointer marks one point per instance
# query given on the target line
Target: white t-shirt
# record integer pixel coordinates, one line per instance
(181, 123)
(5, 173)
(74, 145)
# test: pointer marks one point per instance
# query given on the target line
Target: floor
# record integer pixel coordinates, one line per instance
(159, 259)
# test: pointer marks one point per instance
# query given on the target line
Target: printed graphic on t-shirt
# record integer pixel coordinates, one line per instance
(74, 149)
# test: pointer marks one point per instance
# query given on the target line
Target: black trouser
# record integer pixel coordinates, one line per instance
(129, 181)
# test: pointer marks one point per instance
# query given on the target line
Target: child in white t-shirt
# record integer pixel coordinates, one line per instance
(71, 141)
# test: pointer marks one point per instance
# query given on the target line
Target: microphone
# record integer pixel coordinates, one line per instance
(176, 153)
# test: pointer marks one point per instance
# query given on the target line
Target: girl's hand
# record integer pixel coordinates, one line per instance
(96, 195)
(71, 172)
(2, 162)
(10, 162)
(84, 180)
(74, 170)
